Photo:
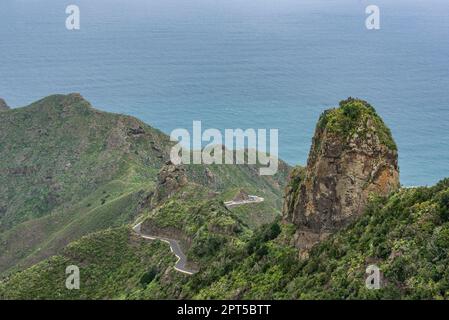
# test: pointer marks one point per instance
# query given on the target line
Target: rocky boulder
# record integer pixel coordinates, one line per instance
(353, 156)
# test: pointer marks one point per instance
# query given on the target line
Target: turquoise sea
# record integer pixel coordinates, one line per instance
(242, 64)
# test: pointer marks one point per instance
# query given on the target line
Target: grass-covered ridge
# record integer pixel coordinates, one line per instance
(67, 170)
(59, 150)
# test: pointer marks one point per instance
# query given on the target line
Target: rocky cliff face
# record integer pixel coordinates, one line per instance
(352, 157)
(3, 105)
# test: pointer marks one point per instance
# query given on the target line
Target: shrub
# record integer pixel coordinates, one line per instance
(351, 110)
(148, 276)
(443, 206)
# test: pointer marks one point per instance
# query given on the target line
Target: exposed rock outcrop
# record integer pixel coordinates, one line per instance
(3, 105)
(170, 179)
(242, 195)
(353, 156)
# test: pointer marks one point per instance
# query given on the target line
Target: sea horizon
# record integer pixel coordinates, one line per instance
(244, 65)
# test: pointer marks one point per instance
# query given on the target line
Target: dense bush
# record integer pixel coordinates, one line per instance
(148, 276)
(264, 234)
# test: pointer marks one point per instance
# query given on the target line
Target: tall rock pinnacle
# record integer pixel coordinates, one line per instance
(353, 156)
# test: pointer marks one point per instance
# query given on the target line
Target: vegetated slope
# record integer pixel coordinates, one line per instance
(60, 149)
(110, 262)
(116, 264)
(200, 221)
(67, 169)
(228, 180)
(406, 235)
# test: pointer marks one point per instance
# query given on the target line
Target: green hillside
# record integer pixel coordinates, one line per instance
(67, 170)
(111, 262)
(406, 236)
(73, 175)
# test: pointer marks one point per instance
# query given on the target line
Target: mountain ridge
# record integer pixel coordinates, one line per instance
(68, 169)
(405, 232)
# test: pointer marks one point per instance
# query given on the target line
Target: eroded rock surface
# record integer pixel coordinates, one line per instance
(352, 157)
(170, 179)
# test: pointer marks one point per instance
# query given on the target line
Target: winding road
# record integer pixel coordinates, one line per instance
(174, 247)
(174, 244)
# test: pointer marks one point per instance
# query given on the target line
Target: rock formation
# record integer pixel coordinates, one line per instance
(242, 195)
(3, 105)
(353, 156)
(170, 179)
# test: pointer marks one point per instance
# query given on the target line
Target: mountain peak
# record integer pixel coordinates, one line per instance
(62, 102)
(356, 117)
(353, 155)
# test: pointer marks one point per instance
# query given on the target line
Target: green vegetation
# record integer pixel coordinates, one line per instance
(355, 116)
(68, 170)
(112, 263)
(199, 220)
(297, 176)
(59, 150)
(228, 179)
(406, 235)
(69, 173)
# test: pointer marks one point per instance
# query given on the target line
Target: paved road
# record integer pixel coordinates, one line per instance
(174, 247)
(174, 244)
(253, 199)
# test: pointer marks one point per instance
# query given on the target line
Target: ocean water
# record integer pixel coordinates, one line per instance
(242, 64)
